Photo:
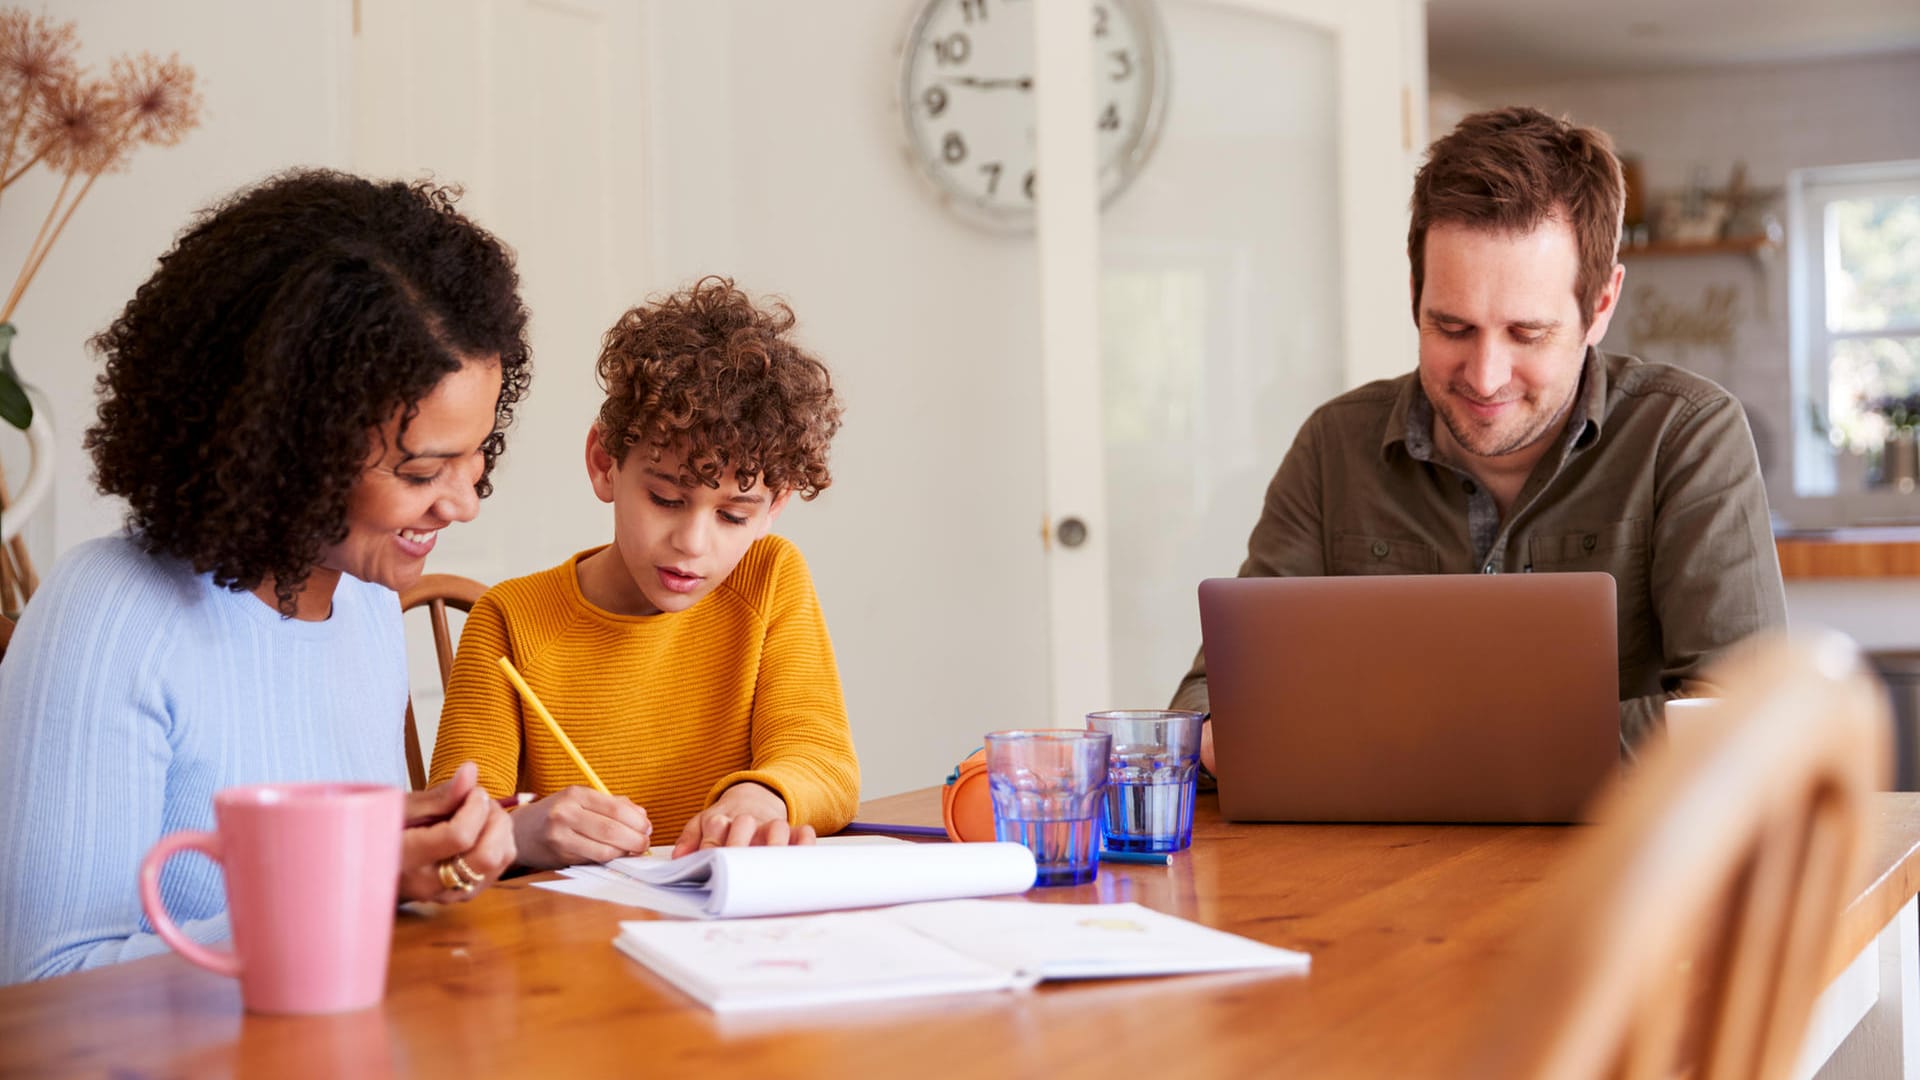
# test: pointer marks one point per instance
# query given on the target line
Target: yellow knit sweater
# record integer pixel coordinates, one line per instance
(669, 709)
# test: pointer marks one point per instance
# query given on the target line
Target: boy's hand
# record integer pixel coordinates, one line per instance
(579, 825)
(746, 814)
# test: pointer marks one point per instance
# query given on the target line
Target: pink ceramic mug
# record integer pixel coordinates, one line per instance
(313, 873)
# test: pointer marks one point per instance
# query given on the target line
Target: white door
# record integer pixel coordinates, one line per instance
(1254, 269)
(534, 107)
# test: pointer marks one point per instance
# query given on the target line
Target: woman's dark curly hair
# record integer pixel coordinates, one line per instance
(707, 373)
(288, 323)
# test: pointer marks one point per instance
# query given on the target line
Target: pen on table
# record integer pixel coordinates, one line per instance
(533, 699)
(876, 828)
(1144, 858)
(505, 802)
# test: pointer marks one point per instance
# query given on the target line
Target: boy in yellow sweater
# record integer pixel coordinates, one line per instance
(687, 660)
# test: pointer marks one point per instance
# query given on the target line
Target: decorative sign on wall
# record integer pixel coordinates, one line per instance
(1697, 336)
(1659, 321)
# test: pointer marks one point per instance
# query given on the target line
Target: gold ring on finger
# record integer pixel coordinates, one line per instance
(450, 878)
(466, 872)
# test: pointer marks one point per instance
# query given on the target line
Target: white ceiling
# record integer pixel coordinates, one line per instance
(1480, 43)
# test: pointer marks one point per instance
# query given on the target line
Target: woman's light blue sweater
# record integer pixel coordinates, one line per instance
(133, 690)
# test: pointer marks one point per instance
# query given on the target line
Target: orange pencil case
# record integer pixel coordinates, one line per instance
(966, 802)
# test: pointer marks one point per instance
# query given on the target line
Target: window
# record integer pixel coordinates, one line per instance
(1856, 318)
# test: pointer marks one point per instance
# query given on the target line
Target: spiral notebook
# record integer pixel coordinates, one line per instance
(948, 947)
(725, 883)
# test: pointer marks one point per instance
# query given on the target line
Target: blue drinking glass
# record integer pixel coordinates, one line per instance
(1047, 787)
(1152, 776)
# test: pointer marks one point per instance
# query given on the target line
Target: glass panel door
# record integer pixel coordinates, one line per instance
(1220, 319)
(1254, 268)
(1221, 296)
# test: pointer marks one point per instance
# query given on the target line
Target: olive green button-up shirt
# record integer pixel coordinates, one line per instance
(1654, 480)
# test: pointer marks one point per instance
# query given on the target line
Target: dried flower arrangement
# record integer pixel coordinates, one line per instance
(53, 114)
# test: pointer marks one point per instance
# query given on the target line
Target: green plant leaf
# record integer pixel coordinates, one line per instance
(15, 409)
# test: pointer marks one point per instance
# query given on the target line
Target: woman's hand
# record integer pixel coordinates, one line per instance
(746, 814)
(476, 832)
(579, 825)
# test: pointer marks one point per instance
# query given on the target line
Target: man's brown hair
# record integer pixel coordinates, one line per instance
(708, 373)
(1510, 169)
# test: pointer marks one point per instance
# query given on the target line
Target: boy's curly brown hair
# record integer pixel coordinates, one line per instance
(245, 378)
(708, 373)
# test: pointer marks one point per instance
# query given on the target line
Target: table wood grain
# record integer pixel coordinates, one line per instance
(1407, 926)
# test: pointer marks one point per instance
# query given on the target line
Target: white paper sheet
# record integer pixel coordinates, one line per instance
(933, 948)
(1088, 941)
(804, 960)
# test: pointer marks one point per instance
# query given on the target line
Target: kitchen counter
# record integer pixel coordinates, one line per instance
(1889, 551)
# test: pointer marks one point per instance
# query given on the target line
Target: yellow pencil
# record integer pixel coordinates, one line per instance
(546, 717)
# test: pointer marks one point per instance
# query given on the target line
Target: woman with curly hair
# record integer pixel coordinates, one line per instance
(314, 382)
(688, 659)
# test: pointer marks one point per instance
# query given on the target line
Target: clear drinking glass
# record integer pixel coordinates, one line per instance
(1153, 773)
(1047, 789)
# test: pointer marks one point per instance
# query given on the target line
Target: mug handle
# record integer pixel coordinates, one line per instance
(217, 961)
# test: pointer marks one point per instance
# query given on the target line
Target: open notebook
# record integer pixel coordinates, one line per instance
(949, 947)
(723, 883)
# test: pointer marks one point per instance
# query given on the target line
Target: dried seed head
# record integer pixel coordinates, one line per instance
(158, 98)
(79, 126)
(36, 54)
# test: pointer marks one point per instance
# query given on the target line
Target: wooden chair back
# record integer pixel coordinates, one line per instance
(436, 593)
(1692, 929)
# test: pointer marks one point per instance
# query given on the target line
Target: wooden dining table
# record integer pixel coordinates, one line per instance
(1409, 927)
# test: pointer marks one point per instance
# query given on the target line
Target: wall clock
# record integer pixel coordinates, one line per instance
(966, 93)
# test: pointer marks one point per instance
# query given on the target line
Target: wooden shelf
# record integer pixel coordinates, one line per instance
(1738, 245)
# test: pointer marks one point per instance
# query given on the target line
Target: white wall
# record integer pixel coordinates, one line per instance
(1776, 117)
(271, 73)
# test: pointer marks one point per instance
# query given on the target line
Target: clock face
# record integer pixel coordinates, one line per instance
(967, 94)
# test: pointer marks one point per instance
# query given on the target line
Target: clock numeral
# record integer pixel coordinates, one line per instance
(952, 49)
(992, 169)
(1122, 64)
(1099, 20)
(936, 99)
(953, 149)
(972, 9)
(1026, 186)
(1110, 117)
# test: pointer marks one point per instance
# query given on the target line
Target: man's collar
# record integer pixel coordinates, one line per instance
(1589, 401)
(1410, 422)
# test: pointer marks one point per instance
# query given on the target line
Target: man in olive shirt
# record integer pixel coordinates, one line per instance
(1517, 446)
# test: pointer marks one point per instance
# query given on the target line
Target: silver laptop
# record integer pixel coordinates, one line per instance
(1439, 698)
